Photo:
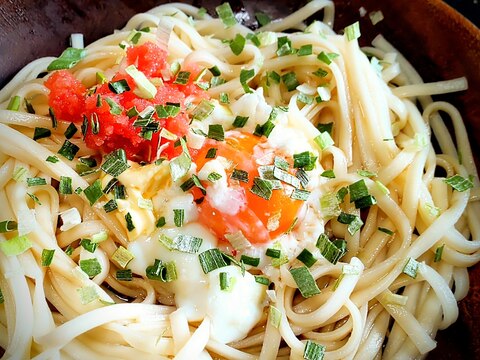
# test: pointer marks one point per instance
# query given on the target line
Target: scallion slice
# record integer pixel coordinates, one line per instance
(16, 246)
(352, 32)
(91, 267)
(358, 190)
(88, 245)
(129, 222)
(327, 58)
(202, 110)
(299, 194)
(40, 133)
(305, 281)
(305, 50)
(124, 275)
(226, 282)
(237, 44)
(225, 13)
(240, 121)
(94, 192)
(161, 222)
(324, 140)
(284, 46)
(305, 160)
(262, 188)
(248, 260)
(262, 18)
(313, 351)
(273, 253)
(110, 206)
(69, 58)
(68, 150)
(65, 186)
(14, 103)
(365, 201)
(36, 181)
(411, 268)
(307, 258)
(438, 253)
(328, 249)
(214, 176)
(182, 77)
(459, 183)
(115, 163)
(216, 132)
(240, 175)
(178, 217)
(245, 76)
(8, 225)
(386, 231)
(286, 177)
(290, 80)
(328, 174)
(211, 259)
(223, 98)
(122, 257)
(87, 294)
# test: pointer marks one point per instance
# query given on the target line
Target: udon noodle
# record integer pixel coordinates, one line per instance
(362, 116)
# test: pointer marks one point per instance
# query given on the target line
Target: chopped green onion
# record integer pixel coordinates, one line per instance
(29, 107)
(161, 222)
(324, 140)
(262, 280)
(65, 186)
(328, 249)
(439, 253)
(68, 150)
(273, 253)
(303, 177)
(40, 133)
(122, 257)
(365, 201)
(366, 173)
(69, 250)
(8, 225)
(34, 198)
(459, 183)
(216, 132)
(119, 192)
(290, 81)
(240, 175)
(328, 174)
(14, 103)
(69, 58)
(89, 161)
(99, 237)
(237, 44)
(91, 267)
(286, 177)
(274, 76)
(305, 50)
(36, 181)
(327, 58)
(2, 299)
(307, 258)
(246, 75)
(382, 187)
(283, 259)
(280, 163)
(329, 205)
(52, 159)
(115, 163)
(88, 245)
(274, 316)
(53, 118)
(262, 18)
(225, 13)
(262, 188)
(132, 112)
(182, 77)
(328, 127)
(304, 98)
(313, 351)
(215, 70)
(178, 217)
(211, 259)
(225, 281)
(305, 281)
(110, 206)
(87, 294)
(265, 129)
(284, 46)
(186, 243)
(100, 78)
(202, 110)
(411, 268)
(386, 231)
(167, 110)
(223, 98)
(341, 193)
(214, 176)
(165, 272)
(358, 190)
(129, 222)
(254, 39)
(145, 89)
(299, 194)
(248, 260)
(320, 73)
(352, 32)
(15, 246)
(115, 109)
(124, 275)
(94, 192)
(119, 87)
(180, 165)
(240, 121)
(305, 160)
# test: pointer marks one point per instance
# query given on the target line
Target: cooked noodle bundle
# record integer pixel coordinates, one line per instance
(188, 188)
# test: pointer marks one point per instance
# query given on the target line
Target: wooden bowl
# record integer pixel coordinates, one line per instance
(435, 38)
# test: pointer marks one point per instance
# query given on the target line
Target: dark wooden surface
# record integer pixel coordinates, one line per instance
(440, 42)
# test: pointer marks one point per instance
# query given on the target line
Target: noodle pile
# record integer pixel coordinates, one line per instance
(370, 305)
